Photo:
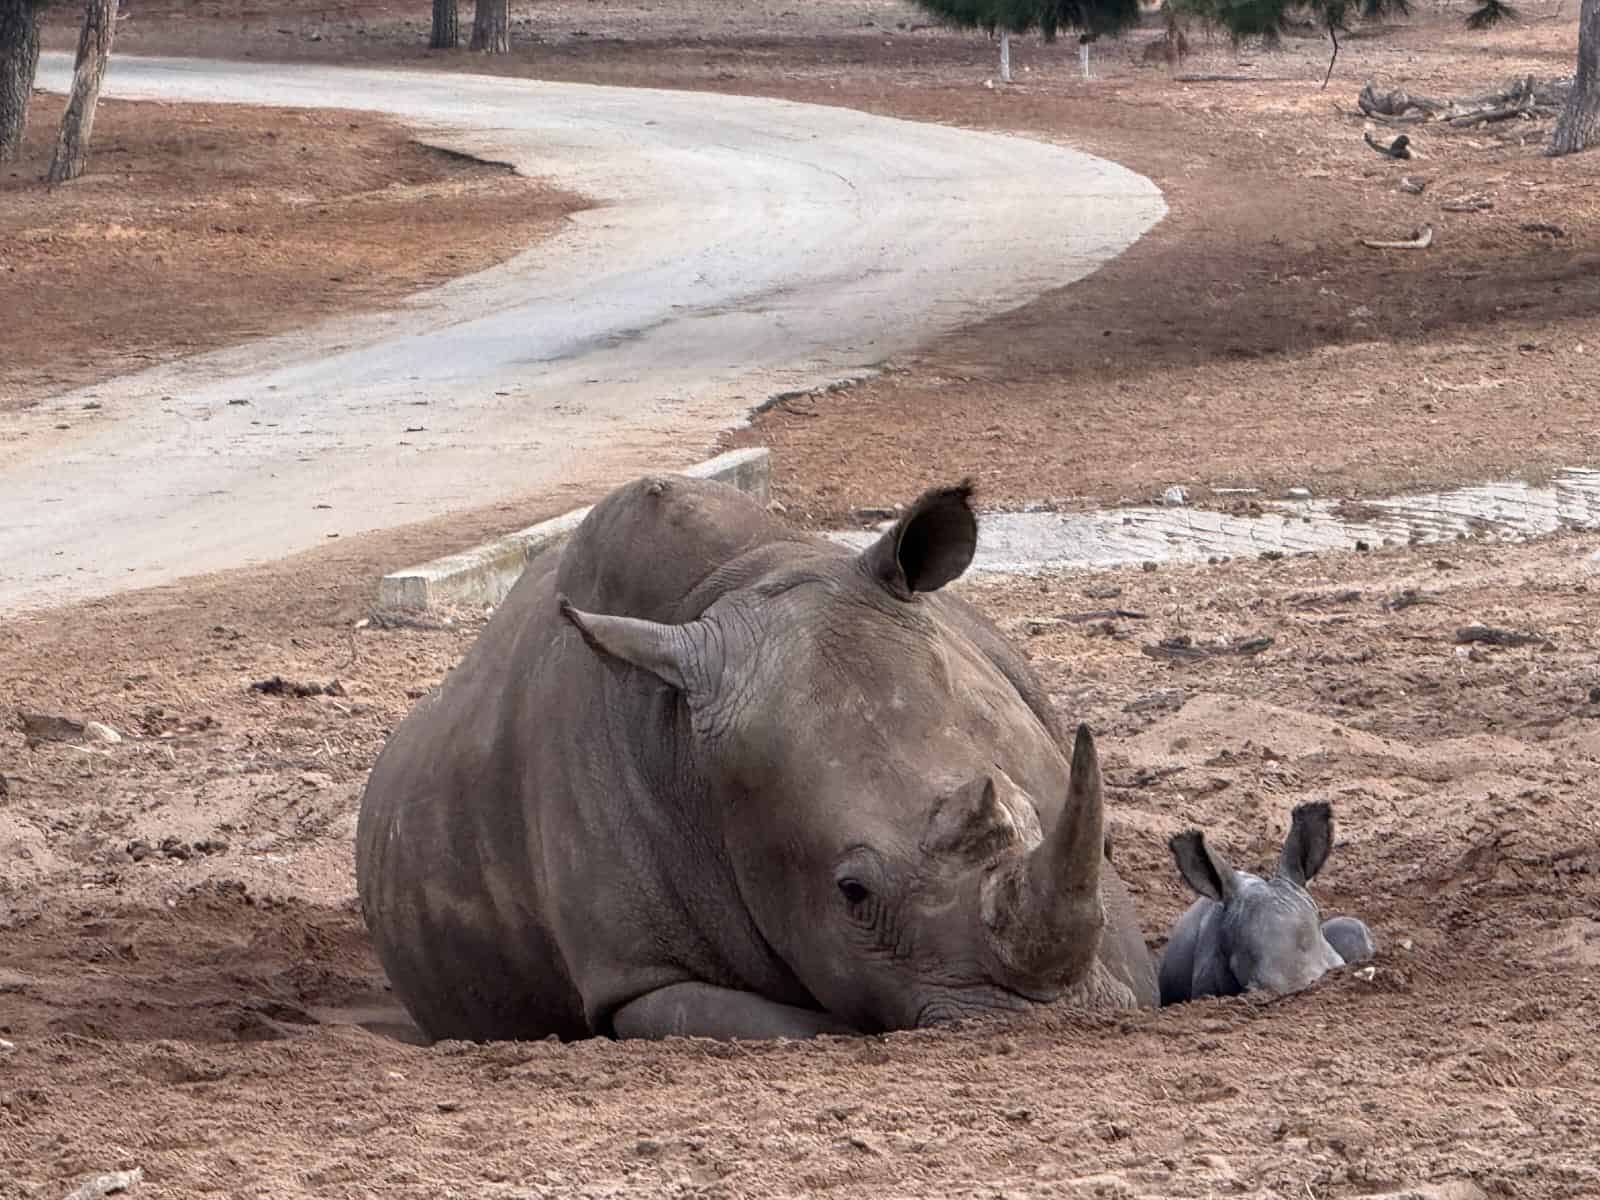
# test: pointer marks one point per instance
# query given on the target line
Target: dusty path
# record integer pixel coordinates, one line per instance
(742, 246)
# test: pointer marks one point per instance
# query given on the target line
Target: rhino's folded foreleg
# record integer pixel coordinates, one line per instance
(701, 1010)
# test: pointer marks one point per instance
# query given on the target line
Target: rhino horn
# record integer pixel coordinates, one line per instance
(1043, 911)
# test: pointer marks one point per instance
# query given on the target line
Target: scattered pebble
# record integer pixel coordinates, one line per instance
(102, 732)
(1175, 497)
(1298, 493)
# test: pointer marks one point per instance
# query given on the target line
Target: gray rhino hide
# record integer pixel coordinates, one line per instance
(771, 811)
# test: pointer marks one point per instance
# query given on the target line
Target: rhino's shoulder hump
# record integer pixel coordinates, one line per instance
(650, 543)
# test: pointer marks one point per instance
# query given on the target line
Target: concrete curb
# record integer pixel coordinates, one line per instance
(484, 574)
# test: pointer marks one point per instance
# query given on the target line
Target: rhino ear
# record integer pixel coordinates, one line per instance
(1309, 842)
(674, 654)
(1204, 869)
(929, 546)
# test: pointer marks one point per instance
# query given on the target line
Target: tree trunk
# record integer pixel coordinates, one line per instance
(446, 26)
(19, 59)
(491, 27)
(1005, 57)
(77, 123)
(1579, 126)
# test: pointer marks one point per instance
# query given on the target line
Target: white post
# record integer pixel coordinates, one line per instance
(1083, 57)
(1005, 56)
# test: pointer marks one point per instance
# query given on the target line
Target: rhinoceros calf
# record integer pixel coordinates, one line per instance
(1247, 932)
(703, 775)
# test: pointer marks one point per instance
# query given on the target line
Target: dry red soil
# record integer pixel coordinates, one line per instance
(201, 226)
(185, 985)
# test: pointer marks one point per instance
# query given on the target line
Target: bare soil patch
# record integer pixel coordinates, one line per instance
(204, 225)
(187, 986)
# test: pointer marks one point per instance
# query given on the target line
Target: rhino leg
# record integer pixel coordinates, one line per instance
(701, 1010)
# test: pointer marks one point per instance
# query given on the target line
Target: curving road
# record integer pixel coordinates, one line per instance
(742, 247)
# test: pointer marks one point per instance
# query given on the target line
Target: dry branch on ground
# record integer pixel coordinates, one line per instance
(1524, 97)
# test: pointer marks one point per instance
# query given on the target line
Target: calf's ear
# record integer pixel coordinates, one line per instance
(1308, 844)
(929, 546)
(1204, 869)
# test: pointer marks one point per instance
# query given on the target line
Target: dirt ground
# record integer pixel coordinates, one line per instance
(184, 982)
(206, 225)
(187, 988)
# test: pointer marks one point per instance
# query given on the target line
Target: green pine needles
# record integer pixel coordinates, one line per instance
(1049, 17)
(1265, 18)
(1490, 13)
(1238, 18)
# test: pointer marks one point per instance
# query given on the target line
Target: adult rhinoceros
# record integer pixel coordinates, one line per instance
(704, 775)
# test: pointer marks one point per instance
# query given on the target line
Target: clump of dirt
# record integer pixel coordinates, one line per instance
(198, 226)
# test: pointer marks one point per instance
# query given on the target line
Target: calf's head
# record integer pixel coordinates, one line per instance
(904, 830)
(1271, 935)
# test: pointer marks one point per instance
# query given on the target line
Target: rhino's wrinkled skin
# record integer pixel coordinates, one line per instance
(1246, 932)
(703, 775)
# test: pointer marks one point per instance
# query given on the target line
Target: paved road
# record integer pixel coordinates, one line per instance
(742, 247)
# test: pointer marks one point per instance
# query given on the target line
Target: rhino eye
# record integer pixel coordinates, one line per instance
(853, 891)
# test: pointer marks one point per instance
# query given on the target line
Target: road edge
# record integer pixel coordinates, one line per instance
(483, 574)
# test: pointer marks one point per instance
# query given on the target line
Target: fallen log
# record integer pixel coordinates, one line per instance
(1523, 96)
(1419, 241)
(1486, 116)
(1396, 103)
